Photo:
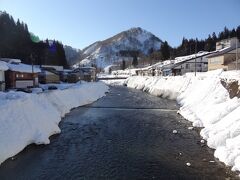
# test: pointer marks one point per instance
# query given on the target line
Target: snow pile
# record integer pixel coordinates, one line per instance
(116, 82)
(32, 118)
(205, 102)
(167, 87)
(126, 72)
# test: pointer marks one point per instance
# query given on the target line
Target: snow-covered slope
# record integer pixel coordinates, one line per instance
(104, 53)
(206, 103)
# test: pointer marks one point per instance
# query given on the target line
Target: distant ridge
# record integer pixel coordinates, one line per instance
(106, 52)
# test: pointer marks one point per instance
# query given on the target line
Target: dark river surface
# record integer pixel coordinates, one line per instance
(126, 135)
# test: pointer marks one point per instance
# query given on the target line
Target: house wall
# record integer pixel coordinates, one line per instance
(49, 77)
(189, 66)
(2, 76)
(216, 63)
(226, 62)
(2, 81)
(20, 80)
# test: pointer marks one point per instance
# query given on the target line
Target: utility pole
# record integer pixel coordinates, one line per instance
(31, 57)
(236, 53)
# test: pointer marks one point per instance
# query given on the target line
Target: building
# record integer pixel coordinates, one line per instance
(196, 62)
(20, 76)
(224, 59)
(3, 68)
(83, 73)
(89, 73)
(49, 75)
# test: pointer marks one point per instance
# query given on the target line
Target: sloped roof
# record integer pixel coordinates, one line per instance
(222, 51)
(20, 67)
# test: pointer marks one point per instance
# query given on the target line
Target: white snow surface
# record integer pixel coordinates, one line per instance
(3, 66)
(206, 103)
(20, 67)
(32, 118)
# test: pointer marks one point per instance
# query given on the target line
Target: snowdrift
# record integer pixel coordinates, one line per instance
(32, 118)
(206, 103)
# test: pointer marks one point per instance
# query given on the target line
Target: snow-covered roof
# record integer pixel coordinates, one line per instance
(192, 56)
(20, 67)
(11, 60)
(222, 51)
(3, 66)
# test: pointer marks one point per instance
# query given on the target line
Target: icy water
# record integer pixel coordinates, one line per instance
(126, 135)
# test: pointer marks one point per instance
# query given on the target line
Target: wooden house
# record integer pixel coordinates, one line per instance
(20, 76)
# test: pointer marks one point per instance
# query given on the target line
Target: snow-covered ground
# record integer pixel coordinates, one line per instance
(32, 118)
(116, 82)
(206, 103)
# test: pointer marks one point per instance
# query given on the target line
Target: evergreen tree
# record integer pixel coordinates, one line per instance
(165, 50)
(238, 32)
(17, 42)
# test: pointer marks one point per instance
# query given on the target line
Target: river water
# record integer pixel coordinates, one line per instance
(126, 135)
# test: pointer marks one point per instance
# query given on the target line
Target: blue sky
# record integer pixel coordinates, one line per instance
(81, 22)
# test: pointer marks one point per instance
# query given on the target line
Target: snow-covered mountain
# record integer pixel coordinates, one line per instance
(104, 53)
(72, 55)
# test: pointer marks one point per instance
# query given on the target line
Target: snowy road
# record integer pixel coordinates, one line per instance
(126, 135)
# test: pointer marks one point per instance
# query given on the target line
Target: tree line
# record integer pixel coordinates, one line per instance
(17, 42)
(187, 47)
(190, 46)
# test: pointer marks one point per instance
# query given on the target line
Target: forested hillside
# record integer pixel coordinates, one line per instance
(17, 42)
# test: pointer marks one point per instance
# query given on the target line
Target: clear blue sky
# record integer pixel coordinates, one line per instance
(81, 22)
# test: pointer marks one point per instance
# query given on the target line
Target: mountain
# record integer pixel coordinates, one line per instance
(72, 54)
(124, 44)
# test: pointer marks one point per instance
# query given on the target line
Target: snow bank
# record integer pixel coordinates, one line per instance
(32, 118)
(205, 102)
(117, 82)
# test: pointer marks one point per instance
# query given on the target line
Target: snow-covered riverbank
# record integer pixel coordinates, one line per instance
(32, 118)
(205, 102)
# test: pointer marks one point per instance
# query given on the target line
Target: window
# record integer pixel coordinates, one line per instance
(187, 66)
(19, 75)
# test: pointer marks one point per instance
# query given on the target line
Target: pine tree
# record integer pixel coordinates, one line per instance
(165, 50)
(238, 32)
